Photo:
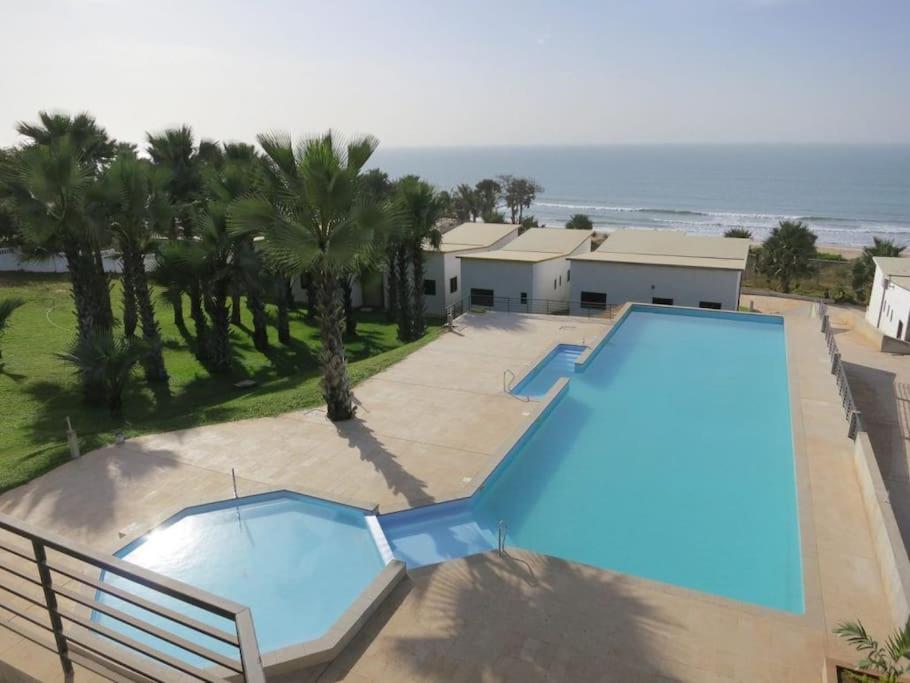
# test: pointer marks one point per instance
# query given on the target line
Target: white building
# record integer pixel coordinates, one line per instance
(529, 274)
(889, 305)
(442, 283)
(661, 267)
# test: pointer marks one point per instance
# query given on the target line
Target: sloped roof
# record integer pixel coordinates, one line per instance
(671, 248)
(537, 244)
(895, 268)
(473, 236)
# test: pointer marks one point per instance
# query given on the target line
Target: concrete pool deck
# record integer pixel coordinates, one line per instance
(426, 429)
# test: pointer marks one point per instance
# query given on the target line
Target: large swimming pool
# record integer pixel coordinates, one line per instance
(669, 456)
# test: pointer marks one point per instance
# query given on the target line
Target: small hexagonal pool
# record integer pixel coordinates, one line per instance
(297, 562)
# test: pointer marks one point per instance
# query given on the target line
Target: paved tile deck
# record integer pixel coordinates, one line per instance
(426, 427)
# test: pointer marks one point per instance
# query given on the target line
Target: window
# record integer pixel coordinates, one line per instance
(597, 300)
(662, 301)
(453, 284)
(560, 280)
(554, 283)
(481, 297)
(709, 304)
(569, 275)
(429, 287)
(524, 297)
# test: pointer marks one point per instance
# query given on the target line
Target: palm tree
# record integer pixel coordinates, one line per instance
(50, 185)
(464, 203)
(864, 267)
(886, 663)
(315, 220)
(7, 306)
(106, 361)
(579, 221)
(134, 199)
(518, 194)
(421, 208)
(176, 152)
(787, 254)
(487, 194)
(741, 233)
(95, 147)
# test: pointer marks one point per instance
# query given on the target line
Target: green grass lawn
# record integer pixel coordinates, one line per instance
(38, 392)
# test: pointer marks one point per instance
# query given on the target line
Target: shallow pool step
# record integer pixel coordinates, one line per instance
(435, 533)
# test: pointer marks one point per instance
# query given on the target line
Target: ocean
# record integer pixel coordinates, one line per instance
(846, 193)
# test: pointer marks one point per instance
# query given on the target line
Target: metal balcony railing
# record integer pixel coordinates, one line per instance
(853, 415)
(55, 587)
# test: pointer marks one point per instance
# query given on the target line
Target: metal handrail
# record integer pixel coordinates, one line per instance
(501, 541)
(70, 625)
(547, 306)
(507, 387)
(853, 415)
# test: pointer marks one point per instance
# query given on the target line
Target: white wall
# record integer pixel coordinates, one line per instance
(546, 273)
(505, 278)
(11, 260)
(889, 307)
(623, 282)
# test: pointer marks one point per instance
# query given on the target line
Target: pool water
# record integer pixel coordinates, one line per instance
(560, 362)
(297, 563)
(668, 456)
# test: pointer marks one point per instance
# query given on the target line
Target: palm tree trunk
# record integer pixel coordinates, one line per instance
(130, 316)
(235, 309)
(260, 321)
(197, 313)
(153, 364)
(310, 298)
(93, 305)
(418, 323)
(177, 305)
(219, 339)
(392, 311)
(283, 323)
(350, 323)
(336, 387)
(405, 291)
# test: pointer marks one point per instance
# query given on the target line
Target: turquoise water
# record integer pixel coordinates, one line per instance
(669, 456)
(296, 562)
(846, 193)
(560, 362)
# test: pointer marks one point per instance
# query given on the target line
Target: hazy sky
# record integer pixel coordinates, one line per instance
(425, 72)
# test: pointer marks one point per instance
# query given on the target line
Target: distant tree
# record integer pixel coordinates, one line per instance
(518, 194)
(579, 221)
(786, 256)
(464, 203)
(494, 217)
(7, 306)
(375, 185)
(95, 146)
(886, 662)
(487, 194)
(739, 232)
(526, 223)
(864, 267)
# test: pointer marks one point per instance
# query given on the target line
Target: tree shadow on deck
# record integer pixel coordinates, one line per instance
(523, 616)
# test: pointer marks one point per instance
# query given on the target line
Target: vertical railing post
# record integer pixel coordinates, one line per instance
(250, 658)
(50, 600)
(835, 361)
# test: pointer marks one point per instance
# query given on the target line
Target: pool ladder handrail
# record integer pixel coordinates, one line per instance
(501, 541)
(507, 386)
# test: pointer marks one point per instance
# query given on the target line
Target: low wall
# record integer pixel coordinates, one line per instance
(889, 546)
(892, 345)
(12, 260)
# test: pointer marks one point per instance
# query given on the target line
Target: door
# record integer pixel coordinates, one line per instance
(482, 297)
